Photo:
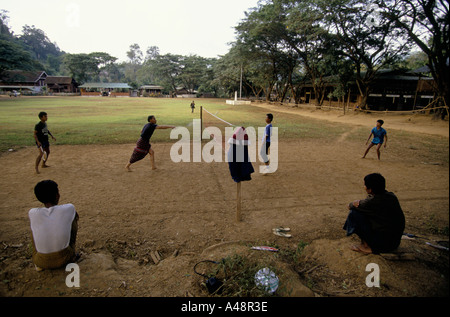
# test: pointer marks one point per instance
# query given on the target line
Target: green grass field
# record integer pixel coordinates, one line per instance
(97, 120)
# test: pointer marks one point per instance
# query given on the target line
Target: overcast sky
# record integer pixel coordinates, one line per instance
(201, 27)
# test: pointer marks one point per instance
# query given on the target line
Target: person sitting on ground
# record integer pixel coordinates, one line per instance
(378, 220)
(54, 229)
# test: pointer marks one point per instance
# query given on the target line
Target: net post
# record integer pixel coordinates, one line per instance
(201, 123)
(238, 202)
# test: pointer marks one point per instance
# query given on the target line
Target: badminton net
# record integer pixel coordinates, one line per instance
(211, 122)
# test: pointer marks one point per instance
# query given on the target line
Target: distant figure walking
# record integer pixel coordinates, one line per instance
(192, 106)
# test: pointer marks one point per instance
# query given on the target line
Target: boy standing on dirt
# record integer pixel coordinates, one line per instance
(379, 136)
(266, 141)
(41, 134)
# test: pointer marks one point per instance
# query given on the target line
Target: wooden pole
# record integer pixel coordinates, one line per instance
(201, 122)
(240, 86)
(238, 202)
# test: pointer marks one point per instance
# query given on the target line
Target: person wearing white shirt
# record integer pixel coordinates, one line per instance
(54, 228)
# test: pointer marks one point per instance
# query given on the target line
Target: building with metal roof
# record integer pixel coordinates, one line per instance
(106, 86)
(106, 89)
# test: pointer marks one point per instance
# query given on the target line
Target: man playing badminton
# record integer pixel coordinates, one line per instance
(143, 146)
(379, 136)
(41, 134)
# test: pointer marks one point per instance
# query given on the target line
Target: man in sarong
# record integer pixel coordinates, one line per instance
(143, 146)
(378, 220)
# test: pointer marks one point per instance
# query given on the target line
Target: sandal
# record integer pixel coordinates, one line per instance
(281, 233)
(282, 229)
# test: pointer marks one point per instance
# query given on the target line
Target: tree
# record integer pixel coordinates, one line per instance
(369, 39)
(267, 60)
(151, 53)
(426, 23)
(38, 43)
(12, 53)
(105, 66)
(317, 48)
(227, 73)
(102, 59)
(206, 82)
(132, 68)
(167, 69)
(4, 19)
(193, 69)
(13, 56)
(85, 67)
(135, 54)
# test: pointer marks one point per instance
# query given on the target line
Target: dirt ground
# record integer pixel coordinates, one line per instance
(186, 212)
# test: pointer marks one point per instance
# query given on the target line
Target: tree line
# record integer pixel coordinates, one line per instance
(280, 45)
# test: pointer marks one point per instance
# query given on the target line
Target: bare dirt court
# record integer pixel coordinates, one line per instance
(186, 211)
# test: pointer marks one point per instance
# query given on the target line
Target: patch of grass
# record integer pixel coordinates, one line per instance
(79, 120)
(290, 255)
(434, 228)
(238, 272)
(238, 276)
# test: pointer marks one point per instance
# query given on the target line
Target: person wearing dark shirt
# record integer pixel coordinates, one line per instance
(41, 134)
(143, 146)
(378, 220)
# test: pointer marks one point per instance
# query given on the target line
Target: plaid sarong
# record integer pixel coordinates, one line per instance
(140, 151)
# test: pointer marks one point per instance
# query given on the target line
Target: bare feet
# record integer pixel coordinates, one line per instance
(127, 167)
(362, 248)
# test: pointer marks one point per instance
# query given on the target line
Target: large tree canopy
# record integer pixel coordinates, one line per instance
(280, 46)
(426, 23)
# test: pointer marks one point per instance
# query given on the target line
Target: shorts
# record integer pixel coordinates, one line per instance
(44, 144)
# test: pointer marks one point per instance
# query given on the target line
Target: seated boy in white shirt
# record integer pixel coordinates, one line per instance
(54, 229)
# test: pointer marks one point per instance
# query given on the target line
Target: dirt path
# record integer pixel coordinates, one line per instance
(403, 122)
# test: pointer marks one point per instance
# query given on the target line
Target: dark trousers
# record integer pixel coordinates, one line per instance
(357, 223)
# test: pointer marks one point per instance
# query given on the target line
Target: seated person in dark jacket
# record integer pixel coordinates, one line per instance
(378, 220)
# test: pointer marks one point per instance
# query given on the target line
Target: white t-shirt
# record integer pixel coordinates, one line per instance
(51, 227)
